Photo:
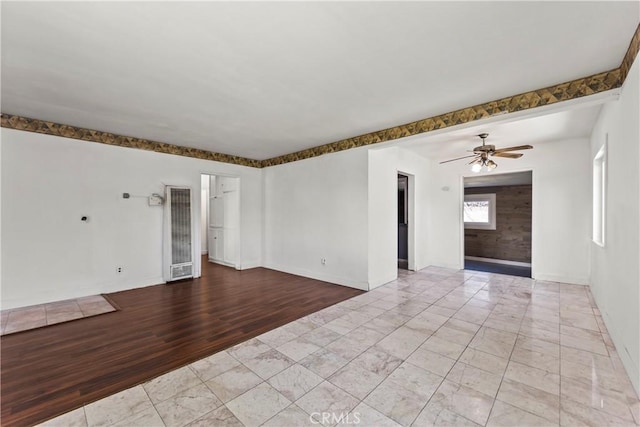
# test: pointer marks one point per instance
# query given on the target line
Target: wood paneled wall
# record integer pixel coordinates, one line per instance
(511, 240)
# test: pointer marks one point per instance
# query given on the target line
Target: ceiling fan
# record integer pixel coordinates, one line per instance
(482, 154)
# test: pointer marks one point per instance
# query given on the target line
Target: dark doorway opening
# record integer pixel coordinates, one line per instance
(403, 221)
(497, 215)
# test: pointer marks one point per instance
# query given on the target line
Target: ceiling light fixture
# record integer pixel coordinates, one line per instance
(481, 155)
(481, 163)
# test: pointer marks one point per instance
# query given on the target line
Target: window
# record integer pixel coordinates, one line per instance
(479, 211)
(599, 190)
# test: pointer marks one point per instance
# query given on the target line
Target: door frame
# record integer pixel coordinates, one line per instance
(533, 215)
(238, 264)
(411, 218)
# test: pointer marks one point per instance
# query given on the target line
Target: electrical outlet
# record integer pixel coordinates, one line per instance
(119, 270)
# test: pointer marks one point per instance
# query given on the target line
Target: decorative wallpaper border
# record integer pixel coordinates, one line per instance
(553, 94)
(630, 56)
(49, 128)
(524, 101)
(561, 92)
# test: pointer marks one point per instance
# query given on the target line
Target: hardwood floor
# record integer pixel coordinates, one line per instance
(48, 371)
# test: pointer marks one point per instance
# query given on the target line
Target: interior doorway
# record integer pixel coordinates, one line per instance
(497, 221)
(403, 221)
(220, 219)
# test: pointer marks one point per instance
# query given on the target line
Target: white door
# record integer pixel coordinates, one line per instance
(216, 244)
(216, 211)
(232, 221)
(223, 227)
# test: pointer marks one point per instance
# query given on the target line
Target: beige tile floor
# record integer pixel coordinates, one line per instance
(436, 347)
(36, 316)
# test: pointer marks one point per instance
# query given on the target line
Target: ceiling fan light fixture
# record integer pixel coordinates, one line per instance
(481, 155)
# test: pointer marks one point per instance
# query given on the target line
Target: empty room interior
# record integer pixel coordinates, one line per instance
(320, 213)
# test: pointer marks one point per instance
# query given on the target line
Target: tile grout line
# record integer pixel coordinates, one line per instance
(593, 307)
(403, 360)
(371, 346)
(509, 361)
(461, 353)
(457, 359)
(20, 310)
(495, 398)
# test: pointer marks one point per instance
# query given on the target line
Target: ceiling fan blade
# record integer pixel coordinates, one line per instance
(476, 160)
(459, 158)
(519, 147)
(509, 155)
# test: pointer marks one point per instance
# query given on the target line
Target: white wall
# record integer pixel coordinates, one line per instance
(49, 182)
(317, 208)
(384, 166)
(615, 270)
(382, 212)
(561, 210)
(312, 205)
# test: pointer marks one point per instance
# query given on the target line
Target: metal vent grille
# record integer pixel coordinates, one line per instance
(180, 226)
(181, 271)
(178, 251)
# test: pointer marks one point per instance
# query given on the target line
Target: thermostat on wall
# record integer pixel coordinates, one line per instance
(155, 200)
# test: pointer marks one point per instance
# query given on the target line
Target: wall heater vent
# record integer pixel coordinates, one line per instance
(181, 271)
(179, 234)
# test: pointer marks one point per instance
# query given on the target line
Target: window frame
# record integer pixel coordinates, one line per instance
(488, 197)
(599, 196)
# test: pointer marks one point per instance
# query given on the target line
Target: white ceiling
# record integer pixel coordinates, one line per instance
(268, 78)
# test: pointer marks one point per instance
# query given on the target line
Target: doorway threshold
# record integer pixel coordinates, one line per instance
(492, 267)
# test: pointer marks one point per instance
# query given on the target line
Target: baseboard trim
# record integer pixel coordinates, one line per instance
(220, 262)
(582, 281)
(319, 276)
(249, 265)
(629, 364)
(498, 261)
(383, 281)
(445, 265)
